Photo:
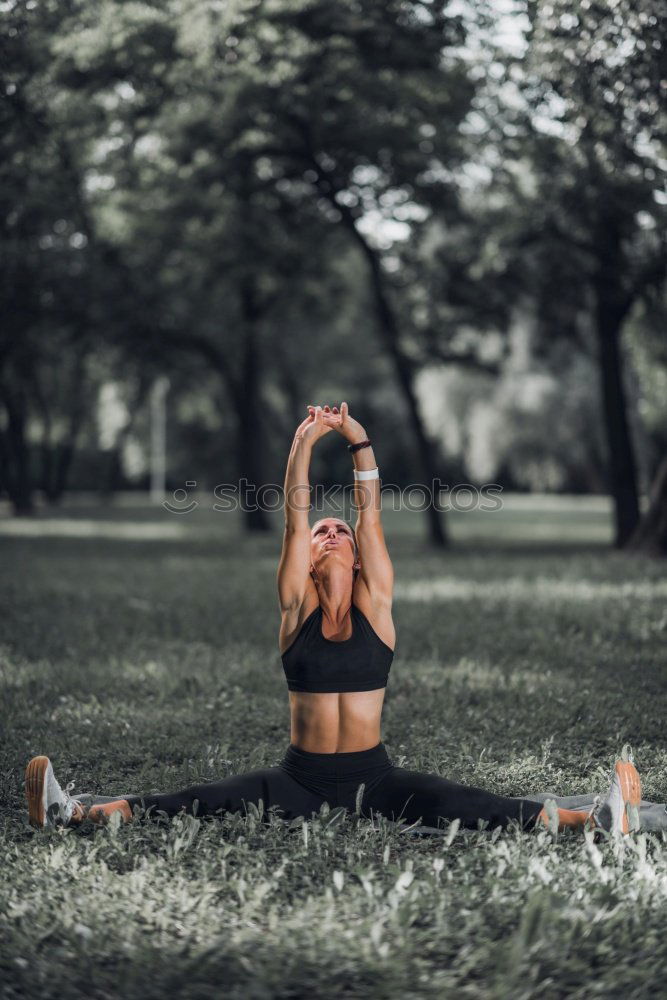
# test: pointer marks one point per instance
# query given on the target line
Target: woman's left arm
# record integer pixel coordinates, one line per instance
(376, 569)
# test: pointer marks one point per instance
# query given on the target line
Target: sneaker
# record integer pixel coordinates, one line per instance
(619, 812)
(48, 804)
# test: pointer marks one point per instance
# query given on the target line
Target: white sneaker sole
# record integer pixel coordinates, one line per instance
(623, 800)
(631, 791)
(35, 790)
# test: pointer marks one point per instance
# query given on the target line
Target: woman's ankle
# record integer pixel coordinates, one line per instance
(103, 812)
(567, 818)
(79, 813)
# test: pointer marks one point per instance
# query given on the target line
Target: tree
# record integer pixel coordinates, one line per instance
(649, 353)
(368, 118)
(286, 118)
(48, 294)
(650, 534)
(595, 143)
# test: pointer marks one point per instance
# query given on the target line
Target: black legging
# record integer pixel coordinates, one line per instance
(303, 781)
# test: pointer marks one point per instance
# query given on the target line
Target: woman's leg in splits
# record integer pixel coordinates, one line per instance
(414, 796)
(398, 793)
(402, 794)
(271, 785)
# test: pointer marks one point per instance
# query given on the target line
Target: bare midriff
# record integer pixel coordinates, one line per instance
(335, 723)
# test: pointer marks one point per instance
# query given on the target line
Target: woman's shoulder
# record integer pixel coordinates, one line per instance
(378, 617)
(293, 619)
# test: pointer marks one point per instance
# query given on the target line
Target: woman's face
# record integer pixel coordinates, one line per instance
(332, 540)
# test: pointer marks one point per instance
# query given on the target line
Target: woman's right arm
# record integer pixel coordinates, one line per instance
(294, 567)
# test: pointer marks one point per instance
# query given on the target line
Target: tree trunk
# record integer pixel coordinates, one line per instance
(16, 458)
(249, 419)
(64, 453)
(63, 465)
(622, 465)
(291, 387)
(651, 533)
(111, 477)
(244, 392)
(46, 459)
(57, 460)
(403, 368)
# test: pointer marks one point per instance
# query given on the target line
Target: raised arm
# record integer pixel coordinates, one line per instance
(376, 570)
(294, 567)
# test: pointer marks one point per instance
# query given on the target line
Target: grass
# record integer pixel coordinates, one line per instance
(142, 656)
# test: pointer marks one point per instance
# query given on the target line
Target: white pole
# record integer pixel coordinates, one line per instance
(158, 460)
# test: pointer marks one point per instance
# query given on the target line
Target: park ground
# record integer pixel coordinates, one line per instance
(139, 651)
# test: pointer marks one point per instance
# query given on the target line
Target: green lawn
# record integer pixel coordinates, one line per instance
(139, 650)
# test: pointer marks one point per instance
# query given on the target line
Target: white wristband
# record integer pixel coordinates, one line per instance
(366, 473)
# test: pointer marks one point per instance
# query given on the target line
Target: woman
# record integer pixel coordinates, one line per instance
(336, 641)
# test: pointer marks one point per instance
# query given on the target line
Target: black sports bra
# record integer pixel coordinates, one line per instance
(319, 665)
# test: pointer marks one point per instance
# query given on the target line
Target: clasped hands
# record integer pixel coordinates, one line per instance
(322, 419)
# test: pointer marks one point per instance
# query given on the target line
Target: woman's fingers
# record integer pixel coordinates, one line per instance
(328, 417)
(327, 411)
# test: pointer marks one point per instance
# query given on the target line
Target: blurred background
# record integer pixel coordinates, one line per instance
(450, 214)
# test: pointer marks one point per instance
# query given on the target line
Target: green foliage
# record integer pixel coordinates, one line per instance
(523, 663)
(228, 141)
(591, 77)
(204, 189)
(212, 152)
